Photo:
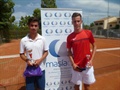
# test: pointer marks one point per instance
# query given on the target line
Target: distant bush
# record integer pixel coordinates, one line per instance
(16, 34)
(19, 33)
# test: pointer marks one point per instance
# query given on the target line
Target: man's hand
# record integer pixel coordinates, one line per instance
(75, 67)
(89, 64)
(29, 63)
(37, 62)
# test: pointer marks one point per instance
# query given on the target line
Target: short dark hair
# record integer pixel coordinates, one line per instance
(75, 14)
(33, 19)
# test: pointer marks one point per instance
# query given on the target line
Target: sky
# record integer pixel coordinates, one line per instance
(92, 9)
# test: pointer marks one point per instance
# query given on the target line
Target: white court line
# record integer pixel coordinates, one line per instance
(98, 50)
(9, 56)
(111, 54)
(108, 49)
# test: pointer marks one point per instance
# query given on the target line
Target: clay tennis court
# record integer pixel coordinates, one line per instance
(106, 63)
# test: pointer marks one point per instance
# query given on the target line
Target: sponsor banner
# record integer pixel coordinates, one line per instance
(56, 26)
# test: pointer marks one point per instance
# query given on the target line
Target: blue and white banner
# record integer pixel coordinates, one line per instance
(56, 26)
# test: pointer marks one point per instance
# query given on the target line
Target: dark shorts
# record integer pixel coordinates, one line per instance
(36, 81)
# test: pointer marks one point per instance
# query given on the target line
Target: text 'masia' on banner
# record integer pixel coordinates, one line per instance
(56, 26)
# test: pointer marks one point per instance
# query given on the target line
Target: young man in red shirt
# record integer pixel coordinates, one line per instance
(79, 43)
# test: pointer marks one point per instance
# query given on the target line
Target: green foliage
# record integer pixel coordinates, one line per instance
(6, 10)
(117, 26)
(86, 26)
(92, 24)
(36, 13)
(48, 4)
(23, 21)
(20, 30)
(12, 19)
(17, 33)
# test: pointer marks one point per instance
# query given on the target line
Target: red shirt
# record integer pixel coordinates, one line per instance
(80, 45)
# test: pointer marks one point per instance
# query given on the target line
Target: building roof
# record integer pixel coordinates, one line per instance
(107, 18)
(104, 19)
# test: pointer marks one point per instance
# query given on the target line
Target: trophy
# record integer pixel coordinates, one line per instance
(88, 63)
(30, 56)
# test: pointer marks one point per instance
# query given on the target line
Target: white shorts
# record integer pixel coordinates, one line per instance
(86, 76)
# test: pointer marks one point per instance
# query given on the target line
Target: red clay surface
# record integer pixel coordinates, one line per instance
(106, 63)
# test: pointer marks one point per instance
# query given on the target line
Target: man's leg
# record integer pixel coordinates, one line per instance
(30, 83)
(76, 87)
(41, 81)
(76, 79)
(88, 78)
(86, 86)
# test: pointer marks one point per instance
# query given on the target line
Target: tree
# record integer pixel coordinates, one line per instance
(86, 26)
(92, 24)
(48, 4)
(6, 19)
(12, 19)
(36, 13)
(23, 21)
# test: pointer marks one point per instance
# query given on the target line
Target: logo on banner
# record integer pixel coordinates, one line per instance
(49, 83)
(58, 31)
(57, 48)
(54, 23)
(45, 23)
(56, 83)
(52, 48)
(67, 15)
(49, 31)
(58, 14)
(62, 23)
(68, 30)
(48, 14)
(69, 23)
(69, 88)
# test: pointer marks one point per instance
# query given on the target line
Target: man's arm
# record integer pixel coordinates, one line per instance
(93, 52)
(38, 61)
(24, 58)
(70, 55)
